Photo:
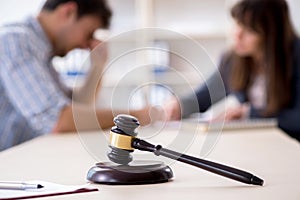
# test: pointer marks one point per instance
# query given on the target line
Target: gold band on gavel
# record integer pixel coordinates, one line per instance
(121, 141)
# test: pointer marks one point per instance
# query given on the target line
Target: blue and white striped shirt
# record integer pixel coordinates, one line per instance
(31, 95)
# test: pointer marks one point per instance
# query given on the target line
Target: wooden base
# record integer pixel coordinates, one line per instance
(137, 172)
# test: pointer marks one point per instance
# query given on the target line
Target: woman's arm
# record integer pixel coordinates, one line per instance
(288, 119)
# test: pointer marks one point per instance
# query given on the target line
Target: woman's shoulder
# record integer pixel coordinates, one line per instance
(296, 47)
(226, 55)
(296, 59)
(226, 59)
(296, 54)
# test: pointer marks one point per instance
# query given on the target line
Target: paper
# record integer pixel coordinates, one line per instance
(49, 189)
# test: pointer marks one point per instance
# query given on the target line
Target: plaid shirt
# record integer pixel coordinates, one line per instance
(31, 95)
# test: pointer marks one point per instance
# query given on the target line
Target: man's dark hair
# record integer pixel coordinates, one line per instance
(85, 7)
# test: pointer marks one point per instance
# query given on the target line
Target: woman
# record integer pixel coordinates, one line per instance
(262, 70)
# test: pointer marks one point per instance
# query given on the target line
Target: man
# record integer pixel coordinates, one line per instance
(33, 101)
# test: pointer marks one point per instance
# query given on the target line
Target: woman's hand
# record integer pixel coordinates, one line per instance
(238, 112)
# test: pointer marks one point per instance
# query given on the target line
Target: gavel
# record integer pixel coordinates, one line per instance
(123, 141)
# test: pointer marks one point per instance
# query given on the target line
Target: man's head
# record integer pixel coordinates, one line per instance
(71, 24)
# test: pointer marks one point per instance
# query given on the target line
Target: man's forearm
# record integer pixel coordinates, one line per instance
(79, 117)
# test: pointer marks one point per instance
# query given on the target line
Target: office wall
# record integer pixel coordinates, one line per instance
(12, 10)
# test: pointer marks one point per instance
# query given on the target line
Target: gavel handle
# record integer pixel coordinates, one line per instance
(223, 170)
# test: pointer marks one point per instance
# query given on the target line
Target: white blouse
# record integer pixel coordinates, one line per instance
(257, 92)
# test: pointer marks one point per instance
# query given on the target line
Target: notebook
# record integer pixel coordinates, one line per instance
(49, 189)
(230, 125)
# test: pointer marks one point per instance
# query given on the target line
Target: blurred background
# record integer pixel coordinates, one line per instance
(158, 72)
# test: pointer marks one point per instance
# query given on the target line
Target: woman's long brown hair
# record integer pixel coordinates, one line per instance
(271, 20)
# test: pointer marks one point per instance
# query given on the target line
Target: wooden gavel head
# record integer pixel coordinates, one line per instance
(121, 136)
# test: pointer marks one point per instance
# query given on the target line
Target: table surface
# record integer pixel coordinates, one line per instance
(66, 159)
